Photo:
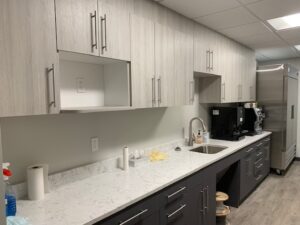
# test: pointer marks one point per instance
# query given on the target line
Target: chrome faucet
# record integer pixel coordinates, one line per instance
(190, 143)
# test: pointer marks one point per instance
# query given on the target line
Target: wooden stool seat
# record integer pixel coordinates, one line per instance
(221, 197)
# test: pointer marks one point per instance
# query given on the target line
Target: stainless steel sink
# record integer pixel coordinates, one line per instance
(209, 149)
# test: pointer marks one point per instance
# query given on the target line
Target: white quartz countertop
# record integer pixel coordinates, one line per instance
(91, 200)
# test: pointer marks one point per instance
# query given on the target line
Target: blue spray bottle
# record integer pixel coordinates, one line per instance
(10, 197)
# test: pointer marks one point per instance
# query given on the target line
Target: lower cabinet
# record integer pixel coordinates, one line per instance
(255, 166)
(175, 205)
(202, 199)
(191, 201)
(143, 213)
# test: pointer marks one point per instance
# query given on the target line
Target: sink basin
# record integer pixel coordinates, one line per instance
(209, 149)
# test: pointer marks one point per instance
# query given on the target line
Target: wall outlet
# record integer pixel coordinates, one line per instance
(95, 144)
(80, 85)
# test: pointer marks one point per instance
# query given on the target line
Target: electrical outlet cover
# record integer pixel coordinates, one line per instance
(95, 144)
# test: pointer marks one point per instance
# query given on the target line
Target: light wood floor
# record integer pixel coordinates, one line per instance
(275, 202)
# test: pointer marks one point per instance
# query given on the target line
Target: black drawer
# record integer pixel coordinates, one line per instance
(174, 194)
(145, 212)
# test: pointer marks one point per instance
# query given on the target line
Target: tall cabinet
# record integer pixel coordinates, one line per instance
(143, 63)
(29, 62)
(161, 59)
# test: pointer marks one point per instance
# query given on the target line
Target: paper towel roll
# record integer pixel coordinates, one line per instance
(36, 179)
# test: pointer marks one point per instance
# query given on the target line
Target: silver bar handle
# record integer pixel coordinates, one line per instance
(176, 192)
(260, 166)
(135, 216)
(207, 196)
(176, 211)
(159, 90)
(249, 150)
(94, 30)
(259, 154)
(52, 102)
(192, 91)
(260, 144)
(207, 60)
(153, 91)
(259, 177)
(211, 53)
(103, 34)
(203, 202)
(223, 91)
(241, 87)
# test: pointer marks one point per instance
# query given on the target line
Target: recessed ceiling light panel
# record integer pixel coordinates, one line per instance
(297, 47)
(285, 22)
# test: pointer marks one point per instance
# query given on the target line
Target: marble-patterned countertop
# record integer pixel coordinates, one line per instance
(90, 200)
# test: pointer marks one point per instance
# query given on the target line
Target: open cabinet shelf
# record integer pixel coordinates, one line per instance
(93, 84)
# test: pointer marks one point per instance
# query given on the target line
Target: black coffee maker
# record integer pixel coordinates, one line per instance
(227, 122)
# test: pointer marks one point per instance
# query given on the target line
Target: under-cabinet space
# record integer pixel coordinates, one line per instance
(92, 84)
(210, 88)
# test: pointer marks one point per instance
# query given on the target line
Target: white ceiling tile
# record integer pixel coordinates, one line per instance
(246, 30)
(197, 8)
(226, 19)
(290, 35)
(278, 53)
(261, 57)
(270, 9)
(248, 1)
(261, 40)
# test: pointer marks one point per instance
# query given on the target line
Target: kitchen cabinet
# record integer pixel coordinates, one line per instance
(175, 205)
(29, 63)
(143, 63)
(143, 213)
(114, 28)
(255, 166)
(236, 66)
(205, 50)
(247, 172)
(202, 198)
(184, 73)
(267, 159)
(77, 26)
(100, 28)
(158, 65)
(192, 200)
(164, 65)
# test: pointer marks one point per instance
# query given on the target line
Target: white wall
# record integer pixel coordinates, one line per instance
(296, 63)
(63, 141)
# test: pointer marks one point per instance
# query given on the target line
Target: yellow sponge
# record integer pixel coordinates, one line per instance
(157, 155)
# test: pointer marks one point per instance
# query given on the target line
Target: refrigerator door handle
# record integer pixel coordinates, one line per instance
(293, 112)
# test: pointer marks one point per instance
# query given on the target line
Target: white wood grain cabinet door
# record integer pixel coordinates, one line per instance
(29, 62)
(114, 28)
(143, 78)
(77, 26)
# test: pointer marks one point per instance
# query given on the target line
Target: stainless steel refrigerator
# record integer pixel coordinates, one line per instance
(277, 92)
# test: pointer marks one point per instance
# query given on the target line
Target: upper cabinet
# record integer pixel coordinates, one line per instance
(100, 28)
(161, 65)
(184, 62)
(164, 65)
(206, 50)
(77, 26)
(114, 28)
(143, 80)
(233, 77)
(29, 61)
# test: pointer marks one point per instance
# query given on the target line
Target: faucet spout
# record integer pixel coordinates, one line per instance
(190, 143)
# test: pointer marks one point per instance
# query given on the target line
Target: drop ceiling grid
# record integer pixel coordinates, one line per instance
(245, 22)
